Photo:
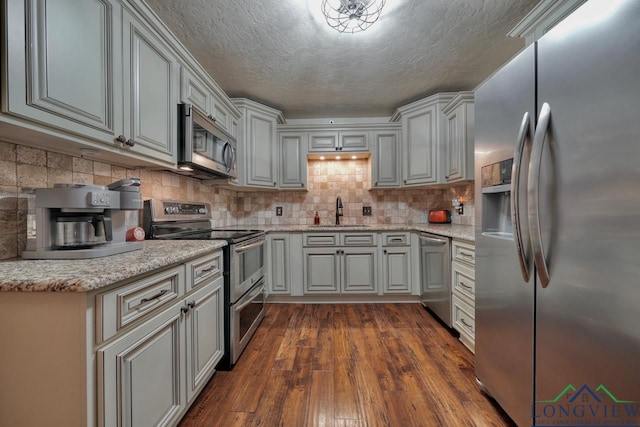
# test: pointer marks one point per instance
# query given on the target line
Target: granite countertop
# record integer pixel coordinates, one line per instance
(464, 232)
(83, 275)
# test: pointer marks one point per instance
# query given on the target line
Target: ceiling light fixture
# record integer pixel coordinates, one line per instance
(351, 16)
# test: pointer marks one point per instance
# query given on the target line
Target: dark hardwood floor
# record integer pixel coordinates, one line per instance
(348, 365)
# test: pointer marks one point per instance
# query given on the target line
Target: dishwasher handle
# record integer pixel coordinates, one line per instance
(433, 240)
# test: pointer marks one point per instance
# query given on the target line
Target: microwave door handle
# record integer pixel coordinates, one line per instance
(515, 195)
(226, 155)
(533, 194)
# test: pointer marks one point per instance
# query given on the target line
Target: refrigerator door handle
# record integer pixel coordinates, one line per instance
(533, 193)
(515, 194)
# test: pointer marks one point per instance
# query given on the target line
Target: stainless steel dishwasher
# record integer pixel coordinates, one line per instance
(435, 275)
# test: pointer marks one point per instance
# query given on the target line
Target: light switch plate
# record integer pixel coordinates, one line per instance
(278, 210)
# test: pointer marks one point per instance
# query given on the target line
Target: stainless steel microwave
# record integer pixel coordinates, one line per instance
(205, 150)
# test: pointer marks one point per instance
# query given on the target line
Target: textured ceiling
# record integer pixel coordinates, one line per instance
(283, 54)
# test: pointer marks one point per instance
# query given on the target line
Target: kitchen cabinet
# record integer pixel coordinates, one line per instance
(257, 144)
(459, 115)
(340, 263)
(293, 160)
(324, 141)
(195, 92)
(119, 93)
(423, 139)
(396, 263)
(134, 353)
(463, 291)
(386, 164)
(278, 264)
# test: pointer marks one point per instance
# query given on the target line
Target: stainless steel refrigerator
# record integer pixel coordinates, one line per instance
(558, 223)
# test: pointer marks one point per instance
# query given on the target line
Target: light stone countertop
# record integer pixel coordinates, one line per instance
(83, 275)
(463, 232)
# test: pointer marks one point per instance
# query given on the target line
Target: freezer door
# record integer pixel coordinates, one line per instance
(589, 203)
(504, 301)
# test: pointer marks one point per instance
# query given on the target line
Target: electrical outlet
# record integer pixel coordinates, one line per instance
(278, 210)
(366, 211)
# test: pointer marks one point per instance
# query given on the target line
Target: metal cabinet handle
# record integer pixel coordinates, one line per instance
(185, 309)
(156, 296)
(206, 270)
(465, 286)
(302, 184)
(121, 139)
(533, 194)
(515, 195)
(191, 304)
(466, 324)
(130, 142)
(384, 251)
(396, 239)
(464, 254)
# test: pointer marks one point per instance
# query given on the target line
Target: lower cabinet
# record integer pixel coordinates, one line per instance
(463, 291)
(347, 268)
(396, 271)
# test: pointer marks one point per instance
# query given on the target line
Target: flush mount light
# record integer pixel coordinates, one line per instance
(354, 157)
(321, 157)
(337, 157)
(351, 16)
(185, 168)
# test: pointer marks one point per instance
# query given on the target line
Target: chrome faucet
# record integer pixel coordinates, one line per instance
(338, 210)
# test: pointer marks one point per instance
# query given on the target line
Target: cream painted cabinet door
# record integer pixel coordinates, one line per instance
(278, 259)
(261, 149)
(140, 375)
(194, 91)
(151, 86)
(396, 271)
(205, 335)
(420, 140)
(459, 116)
(322, 270)
(386, 164)
(359, 268)
(293, 160)
(64, 65)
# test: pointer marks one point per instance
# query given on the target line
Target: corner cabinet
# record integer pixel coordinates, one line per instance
(257, 144)
(423, 139)
(459, 115)
(93, 70)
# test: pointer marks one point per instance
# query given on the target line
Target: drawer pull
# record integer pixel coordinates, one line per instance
(156, 296)
(466, 324)
(397, 239)
(466, 255)
(465, 286)
(207, 270)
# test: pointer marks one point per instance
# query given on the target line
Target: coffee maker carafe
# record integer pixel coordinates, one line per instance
(75, 221)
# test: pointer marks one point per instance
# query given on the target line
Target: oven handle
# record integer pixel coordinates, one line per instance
(249, 246)
(260, 289)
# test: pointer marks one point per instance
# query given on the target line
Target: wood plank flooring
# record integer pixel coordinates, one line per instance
(348, 365)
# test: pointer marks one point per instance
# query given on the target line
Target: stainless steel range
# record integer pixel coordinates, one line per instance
(243, 265)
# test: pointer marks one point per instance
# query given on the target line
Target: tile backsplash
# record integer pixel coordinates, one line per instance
(350, 180)
(23, 168)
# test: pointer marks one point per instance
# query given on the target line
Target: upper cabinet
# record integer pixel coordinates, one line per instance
(103, 74)
(324, 141)
(95, 70)
(386, 164)
(257, 144)
(293, 160)
(151, 84)
(423, 139)
(459, 114)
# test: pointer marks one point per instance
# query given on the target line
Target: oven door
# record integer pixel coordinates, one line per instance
(247, 259)
(246, 315)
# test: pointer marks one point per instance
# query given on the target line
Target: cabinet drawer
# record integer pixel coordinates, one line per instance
(464, 321)
(358, 239)
(463, 252)
(203, 270)
(395, 239)
(124, 305)
(464, 280)
(323, 239)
